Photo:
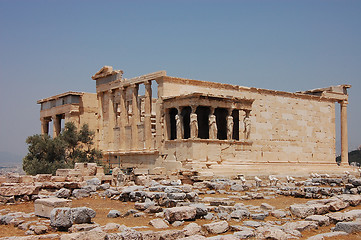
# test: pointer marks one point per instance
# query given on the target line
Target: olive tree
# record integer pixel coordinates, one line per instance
(46, 154)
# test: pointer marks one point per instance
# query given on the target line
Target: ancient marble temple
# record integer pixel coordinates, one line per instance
(208, 127)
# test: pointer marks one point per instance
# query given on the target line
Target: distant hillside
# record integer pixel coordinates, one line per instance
(353, 156)
(10, 159)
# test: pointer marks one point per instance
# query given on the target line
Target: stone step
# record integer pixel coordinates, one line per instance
(279, 169)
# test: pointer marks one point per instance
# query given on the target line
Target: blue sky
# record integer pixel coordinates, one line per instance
(49, 47)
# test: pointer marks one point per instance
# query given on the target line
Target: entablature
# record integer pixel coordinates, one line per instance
(201, 99)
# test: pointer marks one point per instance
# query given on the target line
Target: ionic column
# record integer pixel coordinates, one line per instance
(135, 117)
(147, 115)
(111, 120)
(344, 138)
(56, 125)
(123, 117)
(44, 126)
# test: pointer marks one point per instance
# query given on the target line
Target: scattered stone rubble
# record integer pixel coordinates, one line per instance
(175, 207)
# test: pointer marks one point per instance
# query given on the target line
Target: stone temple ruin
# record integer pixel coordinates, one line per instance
(205, 127)
(177, 148)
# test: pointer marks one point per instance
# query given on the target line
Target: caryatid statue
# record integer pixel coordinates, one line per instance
(247, 126)
(212, 127)
(178, 125)
(229, 127)
(194, 125)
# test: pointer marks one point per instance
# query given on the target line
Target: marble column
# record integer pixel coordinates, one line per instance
(123, 117)
(56, 125)
(148, 115)
(344, 137)
(44, 126)
(111, 120)
(135, 116)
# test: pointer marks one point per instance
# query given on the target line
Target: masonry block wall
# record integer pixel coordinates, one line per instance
(286, 127)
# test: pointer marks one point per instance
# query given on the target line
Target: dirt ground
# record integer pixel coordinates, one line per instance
(102, 207)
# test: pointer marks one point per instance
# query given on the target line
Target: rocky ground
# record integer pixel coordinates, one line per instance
(320, 207)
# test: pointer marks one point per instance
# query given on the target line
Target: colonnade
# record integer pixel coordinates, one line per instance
(56, 119)
(126, 129)
(207, 122)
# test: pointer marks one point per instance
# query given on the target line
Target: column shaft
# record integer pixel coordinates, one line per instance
(44, 126)
(56, 125)
(135, 117)
(147, 115)
(123, 117)
(344, 138)
(111, 120)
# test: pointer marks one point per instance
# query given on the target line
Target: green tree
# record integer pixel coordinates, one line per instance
(46, 154)
(80, 144)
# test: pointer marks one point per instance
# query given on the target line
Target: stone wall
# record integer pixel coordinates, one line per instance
(88, 110)
(286, 127)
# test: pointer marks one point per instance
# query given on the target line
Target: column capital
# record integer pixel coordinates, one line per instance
(45, 119)
(344, 103)
(147, 83)
(134, 85)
